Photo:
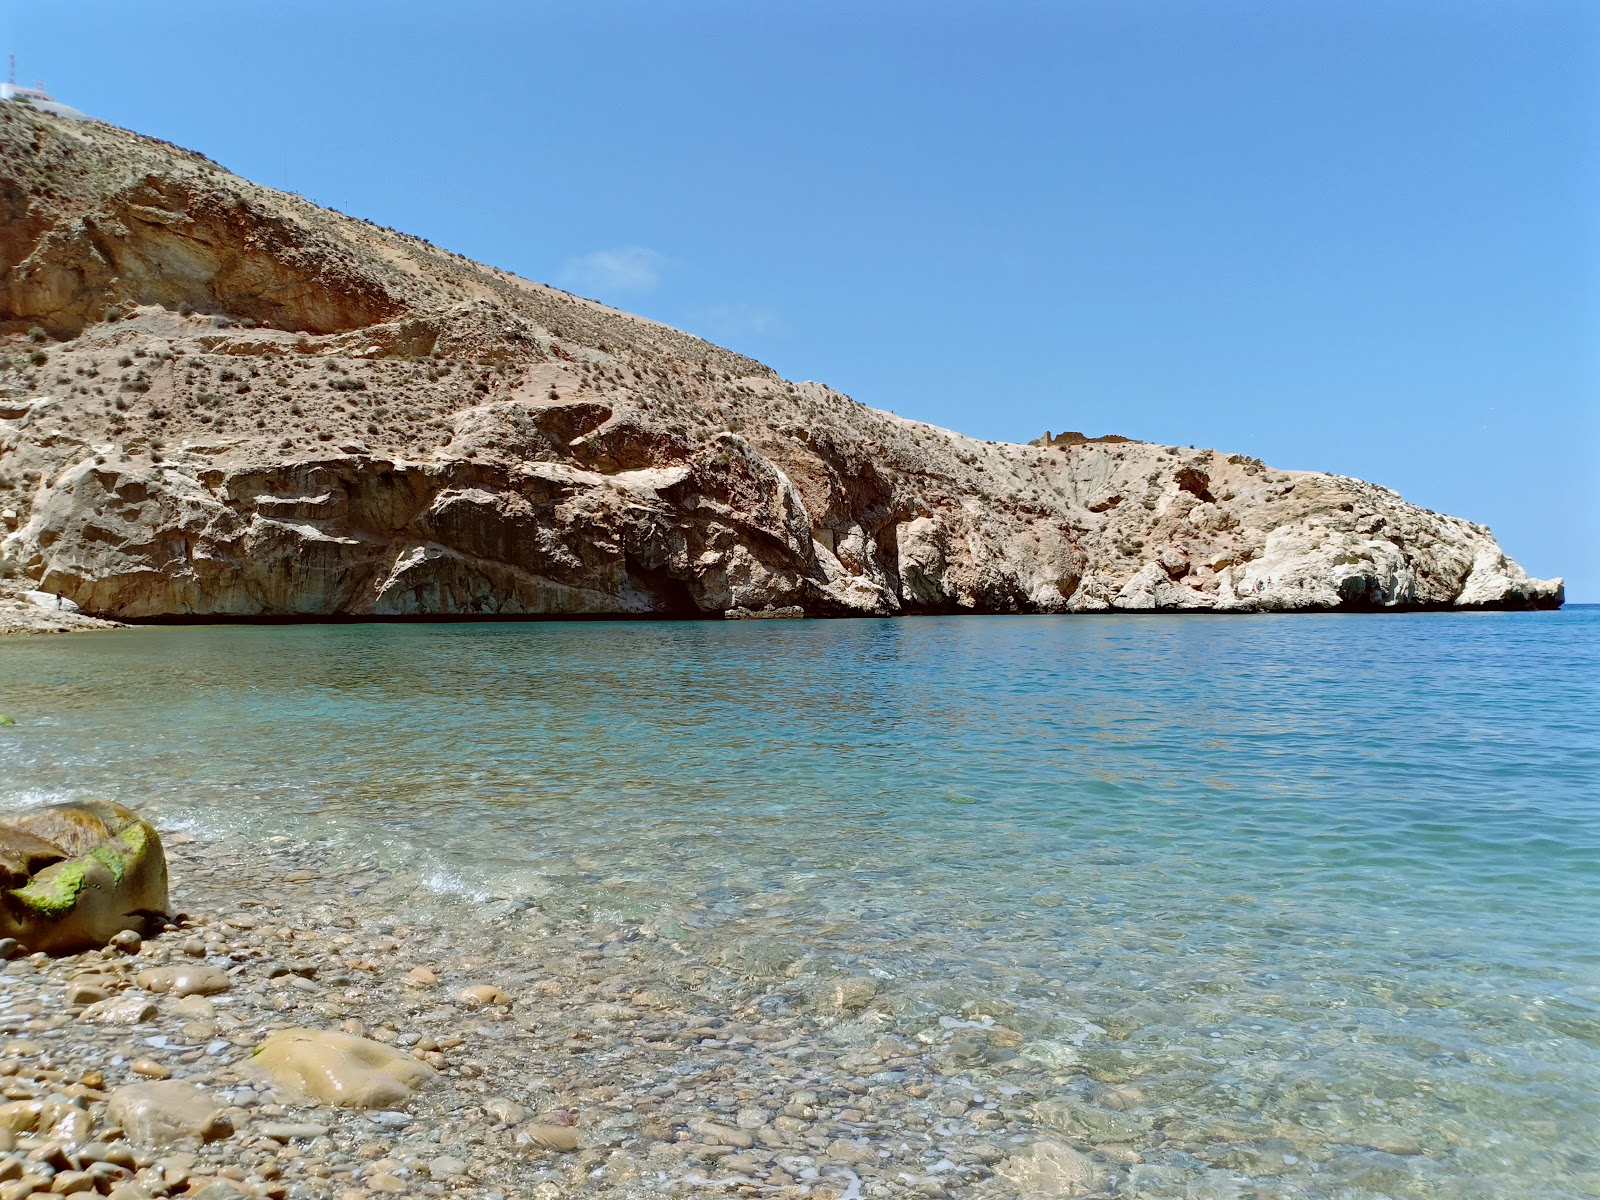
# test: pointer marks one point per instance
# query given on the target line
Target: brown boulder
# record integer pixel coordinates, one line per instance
(75, 875)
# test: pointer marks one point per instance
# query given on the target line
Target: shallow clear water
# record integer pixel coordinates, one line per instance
(1319, 894)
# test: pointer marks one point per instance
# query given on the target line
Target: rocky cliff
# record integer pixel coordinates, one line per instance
(220, 400)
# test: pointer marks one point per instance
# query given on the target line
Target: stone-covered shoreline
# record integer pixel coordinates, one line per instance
(618, 1064)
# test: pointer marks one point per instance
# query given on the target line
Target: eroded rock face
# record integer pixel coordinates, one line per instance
(331, 1067)
(350, 422)
(72, 876)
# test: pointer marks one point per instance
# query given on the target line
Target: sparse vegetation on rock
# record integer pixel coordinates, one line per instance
(318, 416)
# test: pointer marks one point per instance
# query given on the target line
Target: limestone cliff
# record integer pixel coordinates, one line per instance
(219, 400)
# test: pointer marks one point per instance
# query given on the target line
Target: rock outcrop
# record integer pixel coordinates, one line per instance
(72, 876)
(217, 400)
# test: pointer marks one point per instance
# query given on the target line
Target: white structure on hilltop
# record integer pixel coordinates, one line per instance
(36, 97)
(15, 91)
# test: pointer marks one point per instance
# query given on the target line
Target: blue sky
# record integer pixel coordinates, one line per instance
(1345, 235)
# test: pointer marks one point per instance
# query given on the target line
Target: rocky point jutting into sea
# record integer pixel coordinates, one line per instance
(219, 400)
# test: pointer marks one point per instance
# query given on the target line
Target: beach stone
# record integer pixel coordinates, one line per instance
(286, 1131)
(73, 1129)
(507, 1112)
(128, 941)
(194, 979)
(845, 1150)
(483, 995)
(1086, 1122)
(168, 1112)
(120, 1010)
(82, 992)
(29, 1116)
(194, 1006)
(560, 1138)
(72, 876)
(445, 1167)
(854, 993)
(722, 1135)
(1049, 1169)
(149, 1068)
(108, 1152)
(341, 1069)
(68, 1183)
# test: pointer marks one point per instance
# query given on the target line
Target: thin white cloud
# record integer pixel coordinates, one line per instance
(740, 320)
(631, 269)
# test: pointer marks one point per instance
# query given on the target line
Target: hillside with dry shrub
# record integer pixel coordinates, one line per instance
(219, 400)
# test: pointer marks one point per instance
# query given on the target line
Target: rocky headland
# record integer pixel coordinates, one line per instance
(221, 401)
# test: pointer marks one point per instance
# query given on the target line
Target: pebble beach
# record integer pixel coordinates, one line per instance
(570, 1059)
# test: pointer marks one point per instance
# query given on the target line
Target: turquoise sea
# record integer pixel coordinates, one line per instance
(1332, 874)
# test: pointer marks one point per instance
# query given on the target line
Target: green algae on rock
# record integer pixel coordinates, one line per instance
(72, 876)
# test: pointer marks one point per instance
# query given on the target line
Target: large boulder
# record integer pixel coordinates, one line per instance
(72, 876)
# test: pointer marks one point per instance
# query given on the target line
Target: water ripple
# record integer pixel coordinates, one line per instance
(1330, 879)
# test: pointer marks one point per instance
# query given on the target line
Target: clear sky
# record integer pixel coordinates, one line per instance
(1351, 235)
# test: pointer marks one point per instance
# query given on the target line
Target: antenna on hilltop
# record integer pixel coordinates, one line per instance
(13, 79)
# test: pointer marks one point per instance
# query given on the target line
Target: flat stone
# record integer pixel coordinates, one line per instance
(1049, 1169)
(1084, 1122)
(194, 979)
(446, 1167)
(120, 1010)
(217, 1189)
(722, 1135)
(339, 1068)
(86, 991)
(856, 992)
(168, 1112)
(109, 1152)
(285, 1131)
(560, 1138)
(69, 1183)
(194, 1006)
